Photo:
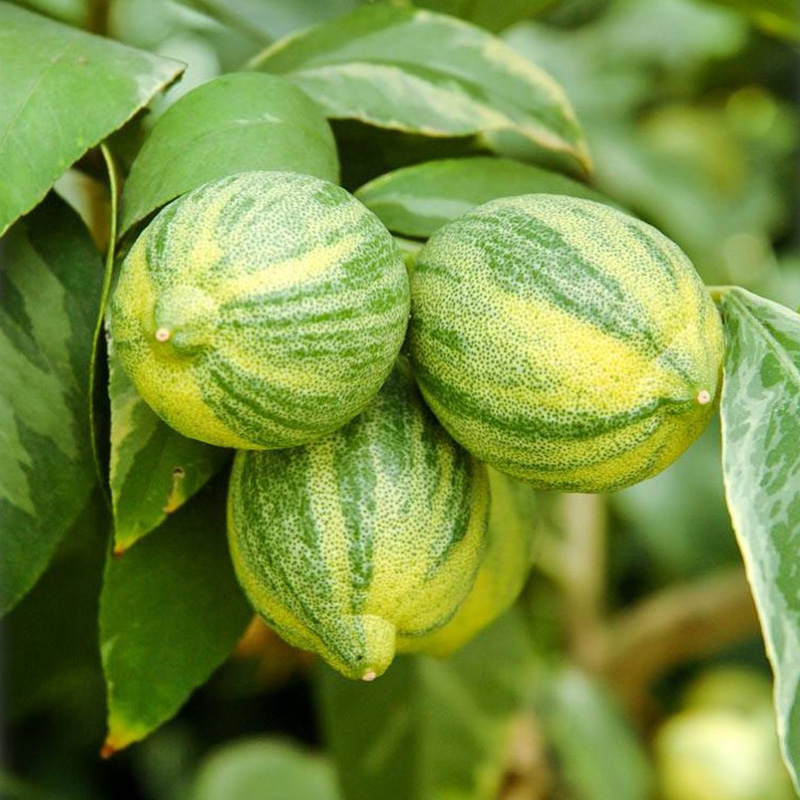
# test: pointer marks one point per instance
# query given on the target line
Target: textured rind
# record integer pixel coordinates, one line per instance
(505, 566)
(564, 342)
(285, 302)
(373, 533)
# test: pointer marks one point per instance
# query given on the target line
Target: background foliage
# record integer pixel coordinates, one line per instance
(634, 654)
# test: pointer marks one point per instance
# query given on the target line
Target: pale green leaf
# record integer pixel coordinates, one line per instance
(489, 14)
(170, 613)
(761, 462)
(429, 729)
(234, 123)
(64, 91)
(426, 73)
(598, 754)
(50, 278)
(154, 470)
(256, 768)
(415, 201)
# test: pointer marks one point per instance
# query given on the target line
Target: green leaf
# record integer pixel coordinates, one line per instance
(63, 92)
(51, 664)
(267, 21)
(415, 201)
(154, 470)
(489, 14)
(761, 463)
(234, 123)
(170, 613)
(50, 276)
(598, 753)
(426, 73)
(779, 17)
(429, 729)
(244, 770)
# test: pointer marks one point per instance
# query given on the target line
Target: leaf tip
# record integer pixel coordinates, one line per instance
(108, 749)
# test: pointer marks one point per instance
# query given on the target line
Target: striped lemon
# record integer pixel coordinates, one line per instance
(372, 534)
(262, 310)
(564, 342)
(502, 573)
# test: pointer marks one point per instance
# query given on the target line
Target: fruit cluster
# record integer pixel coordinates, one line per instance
(553, 339)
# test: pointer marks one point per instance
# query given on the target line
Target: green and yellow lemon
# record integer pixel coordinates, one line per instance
(369, 536)
(564, 342)
(263, 310)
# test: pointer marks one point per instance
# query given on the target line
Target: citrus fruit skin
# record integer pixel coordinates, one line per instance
(262, 310)
(564, 342)
(504, 568)
(373, 533)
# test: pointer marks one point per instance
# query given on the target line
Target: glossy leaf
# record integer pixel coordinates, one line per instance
(598, 753)
(429, 729)
(234, 123)
(779, 17)
(430, 74)
(154, 470)
(170, 613)
(761, 463)
(415, 201)
(50, 277)
(256, 768)
(63, 92)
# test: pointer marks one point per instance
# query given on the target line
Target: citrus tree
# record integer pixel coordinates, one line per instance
(347, 345)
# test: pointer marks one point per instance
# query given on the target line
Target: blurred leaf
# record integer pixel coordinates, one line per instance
(171, 612)
(63, 92)
(417, 200)
(426, 73)
(270, 20)
(430, 730)
(489, 14)
(599, 755)
(235, 123)
(780, 17)
(254, 769)
(154, 470)
(50, 276)
(760, 435)
(683, 533)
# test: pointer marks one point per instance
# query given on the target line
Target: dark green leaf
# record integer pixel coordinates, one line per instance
(761, 463)
(257, 768)
(780, 17)
(417, 200)
(50, 277)
(426, 73)
(598, 753)
(234, 123)
(170, 613)
(154, 470)
(63, 92)
(429, 729)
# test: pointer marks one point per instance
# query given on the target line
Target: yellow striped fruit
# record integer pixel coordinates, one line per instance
(503, 571)
(262, 310)
(370, 535)
(564, 342)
